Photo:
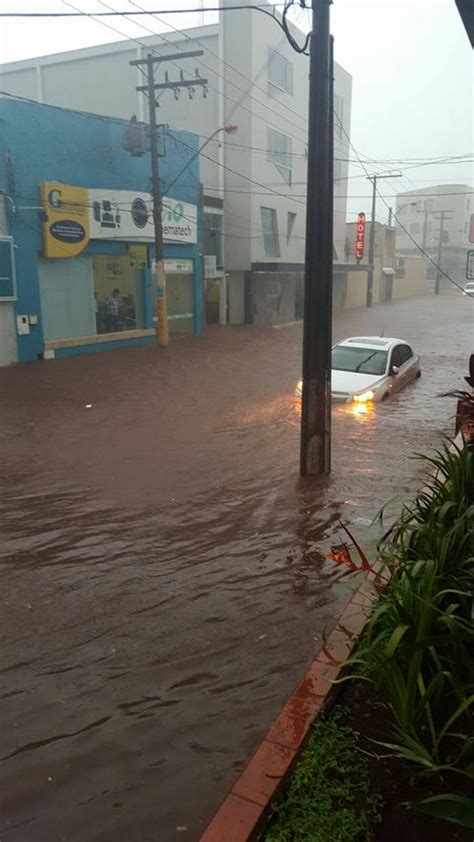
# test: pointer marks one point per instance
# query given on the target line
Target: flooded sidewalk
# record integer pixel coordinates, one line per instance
(163, 579)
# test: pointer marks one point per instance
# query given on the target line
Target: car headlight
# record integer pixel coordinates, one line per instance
(364, 397)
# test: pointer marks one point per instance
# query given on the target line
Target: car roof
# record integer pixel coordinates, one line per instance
(382, 343)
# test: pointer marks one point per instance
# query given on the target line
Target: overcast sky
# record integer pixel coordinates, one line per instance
(410, 60)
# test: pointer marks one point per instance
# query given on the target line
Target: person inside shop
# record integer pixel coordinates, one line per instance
(112, 310)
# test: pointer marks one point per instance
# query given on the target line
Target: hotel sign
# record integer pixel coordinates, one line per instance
(360, 236)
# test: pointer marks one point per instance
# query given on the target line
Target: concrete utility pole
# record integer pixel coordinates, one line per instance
(150, 88)
(315, 455)
(371, 269)
(442, 219)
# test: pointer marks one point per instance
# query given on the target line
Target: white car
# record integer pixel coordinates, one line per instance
(469, 289)
(370, 368)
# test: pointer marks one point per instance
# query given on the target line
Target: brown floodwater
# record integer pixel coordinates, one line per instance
(162, 563)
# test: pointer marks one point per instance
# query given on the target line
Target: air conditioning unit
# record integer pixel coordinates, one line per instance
(210, 266)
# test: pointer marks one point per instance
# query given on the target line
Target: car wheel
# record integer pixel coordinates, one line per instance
(418, 374)
(386, 396)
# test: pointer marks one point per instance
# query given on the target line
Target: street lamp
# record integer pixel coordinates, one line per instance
(229, 129)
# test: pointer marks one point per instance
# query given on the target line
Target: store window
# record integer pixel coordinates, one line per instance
(118, 294)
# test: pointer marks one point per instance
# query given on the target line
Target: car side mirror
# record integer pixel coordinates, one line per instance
(394, 370)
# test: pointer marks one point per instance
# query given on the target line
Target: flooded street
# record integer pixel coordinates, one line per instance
(163, 585)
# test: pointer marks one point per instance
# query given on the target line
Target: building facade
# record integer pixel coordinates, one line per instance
(423, 211)
(78, 210)
(254, 182)
(394, 277)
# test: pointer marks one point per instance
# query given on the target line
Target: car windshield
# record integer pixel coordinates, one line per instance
(362, 360)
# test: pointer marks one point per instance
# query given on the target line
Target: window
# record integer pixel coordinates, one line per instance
(400, 355)
(414, 228)
(338, 116)
(279, 152)
(290, 223)
(212, 239)
(363, 360)
(118, 294)
(270, 232)
(280, 73)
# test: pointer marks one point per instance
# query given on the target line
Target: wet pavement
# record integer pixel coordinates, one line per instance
(163, 585)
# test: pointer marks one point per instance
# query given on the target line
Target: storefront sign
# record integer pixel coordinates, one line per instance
(126, 215)
(137, 256)
(66, 224)
(75, 215)
(360, 236)
(175, 267)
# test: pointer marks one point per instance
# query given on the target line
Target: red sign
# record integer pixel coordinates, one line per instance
(360, 236)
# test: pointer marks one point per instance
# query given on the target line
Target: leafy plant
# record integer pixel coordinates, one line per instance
(330, 798)
(452, 808)
(419, 641)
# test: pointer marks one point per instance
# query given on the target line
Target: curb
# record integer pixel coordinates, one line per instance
(243, 812)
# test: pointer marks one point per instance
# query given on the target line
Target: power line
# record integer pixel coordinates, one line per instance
(237, 103)
(415, 242)
(226, 64)
(128, 13)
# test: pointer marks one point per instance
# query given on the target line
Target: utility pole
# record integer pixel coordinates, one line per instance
(442, 219)
(425, 228)
(315, 455)
(150, 88)
(371, 269)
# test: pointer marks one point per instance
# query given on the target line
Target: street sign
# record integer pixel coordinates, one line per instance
(7, 269)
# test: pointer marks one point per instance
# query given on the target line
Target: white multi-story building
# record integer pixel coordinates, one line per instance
(254, 181)
(423, 211)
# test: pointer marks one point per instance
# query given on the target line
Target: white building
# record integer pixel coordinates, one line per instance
(254, 182)
(421, 211)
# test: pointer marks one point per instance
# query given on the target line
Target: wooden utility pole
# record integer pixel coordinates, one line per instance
(315, 456)
(441, 215)
(150, 88)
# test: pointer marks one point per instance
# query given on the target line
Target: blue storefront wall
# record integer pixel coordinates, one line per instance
(45, 143)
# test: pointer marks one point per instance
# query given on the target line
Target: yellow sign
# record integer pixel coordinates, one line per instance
(137, 255)
(66, 224)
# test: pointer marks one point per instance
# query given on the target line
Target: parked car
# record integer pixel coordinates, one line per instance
(370, 368)
(469, 289)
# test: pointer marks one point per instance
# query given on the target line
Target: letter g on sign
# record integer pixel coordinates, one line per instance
(54, 198)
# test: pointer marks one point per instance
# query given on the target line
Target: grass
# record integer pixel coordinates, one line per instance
(330, 797)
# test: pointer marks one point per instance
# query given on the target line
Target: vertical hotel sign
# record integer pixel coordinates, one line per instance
(66, 223)
(360, 236)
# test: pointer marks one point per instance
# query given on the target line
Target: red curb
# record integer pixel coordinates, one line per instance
(260, 779)
(234, 821)
(240, 816)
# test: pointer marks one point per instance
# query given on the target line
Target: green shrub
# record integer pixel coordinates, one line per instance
(419, 643)
(330, 798)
